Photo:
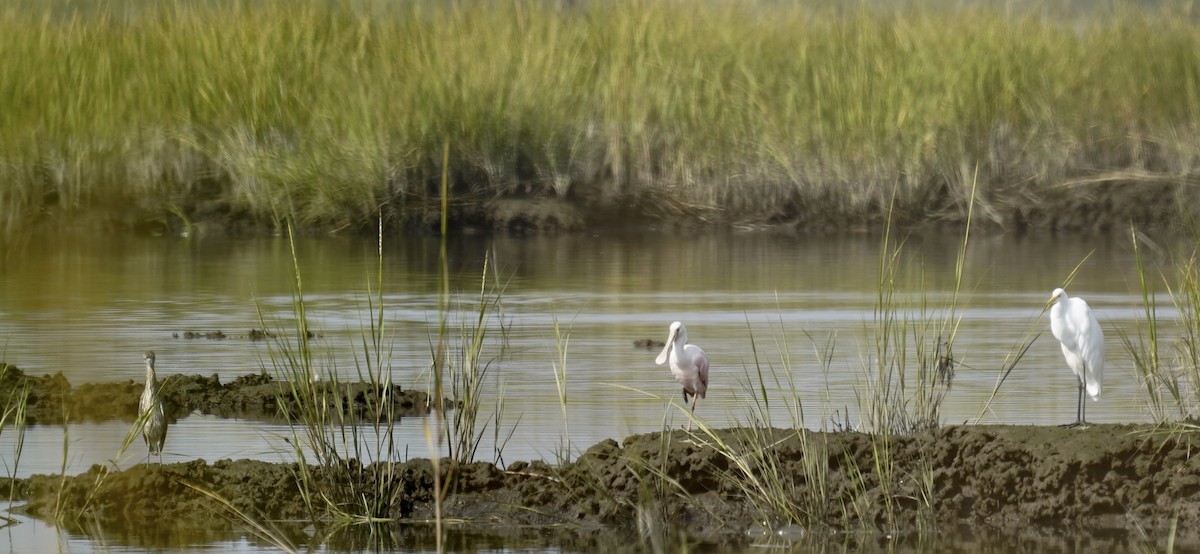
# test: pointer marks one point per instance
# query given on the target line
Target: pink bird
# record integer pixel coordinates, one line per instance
(689, 365)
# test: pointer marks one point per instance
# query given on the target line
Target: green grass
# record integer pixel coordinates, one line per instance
(348, 476)
(739, 111)
(1166, 354)
(13, 420)
(349, 469)
(911, 366)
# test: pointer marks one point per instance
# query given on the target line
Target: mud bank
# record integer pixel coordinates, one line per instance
(1122, 483)
(52, 399)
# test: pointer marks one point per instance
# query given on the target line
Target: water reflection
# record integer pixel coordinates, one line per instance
(34, 535)
(89, 306)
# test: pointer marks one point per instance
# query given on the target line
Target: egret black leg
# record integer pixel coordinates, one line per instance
(1080, 421)
(1079, 405)
(1080, 409)
(1082, 406)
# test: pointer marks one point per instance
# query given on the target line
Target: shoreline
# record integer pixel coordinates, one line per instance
(714, 486)
(1126, 479)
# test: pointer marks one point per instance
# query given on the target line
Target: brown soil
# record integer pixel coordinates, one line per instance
(52, 398)
(1122, 483)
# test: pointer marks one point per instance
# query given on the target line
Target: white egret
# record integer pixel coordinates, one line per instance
(689, 365)
(1074, 326)
(151, 412)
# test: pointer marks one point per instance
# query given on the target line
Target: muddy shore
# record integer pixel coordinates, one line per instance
(1127, 483)
(52, 399)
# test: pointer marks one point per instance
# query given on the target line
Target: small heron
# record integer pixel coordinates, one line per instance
(1082, 340)
(151, 412)
(689, 365)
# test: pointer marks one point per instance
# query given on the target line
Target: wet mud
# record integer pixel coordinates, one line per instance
(1123, 485)
(52, 399)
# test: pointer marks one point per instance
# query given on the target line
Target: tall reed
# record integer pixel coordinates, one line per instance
(13, 412)
(329, 114)
(911, 368)
(467, 373)
(349, 468)
(562, 341)
(1168, 360)
(912, 363)
(325, 436)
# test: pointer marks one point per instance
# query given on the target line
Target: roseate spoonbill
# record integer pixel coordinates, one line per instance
(151, 412)
(689, 365)
(1074, 326)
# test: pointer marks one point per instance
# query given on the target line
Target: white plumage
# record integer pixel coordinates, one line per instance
(1082, 340)
(689, 364)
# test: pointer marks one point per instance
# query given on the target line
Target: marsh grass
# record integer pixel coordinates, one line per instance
(467, 375)
(910, 371)
(13, 419)
(1168, 364)
(332, 114)
(562, 341)
(13, 415)
(348, 471)
(912, 366)
(346, 475)
(754, 464)
(830, 491)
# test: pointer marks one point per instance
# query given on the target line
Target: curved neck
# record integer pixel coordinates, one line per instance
(680, 342)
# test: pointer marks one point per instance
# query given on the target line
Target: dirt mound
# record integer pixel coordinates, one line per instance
(714, 487)
(706, 486)
(52, 398)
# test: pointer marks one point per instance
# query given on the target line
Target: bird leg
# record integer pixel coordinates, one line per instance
(685, 402)
(695, 399)
(1082, 406)
(1080, 410)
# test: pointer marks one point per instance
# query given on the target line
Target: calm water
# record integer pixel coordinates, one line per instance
(89, 306)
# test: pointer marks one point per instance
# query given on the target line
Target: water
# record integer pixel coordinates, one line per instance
(89, 306)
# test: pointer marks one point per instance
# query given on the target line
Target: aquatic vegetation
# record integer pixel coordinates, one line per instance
(331, 115)
(13, 420)
(356, 474)
(562, 342)
(910, 369)
(355, 450)
(467, 385)
(1166, 353)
